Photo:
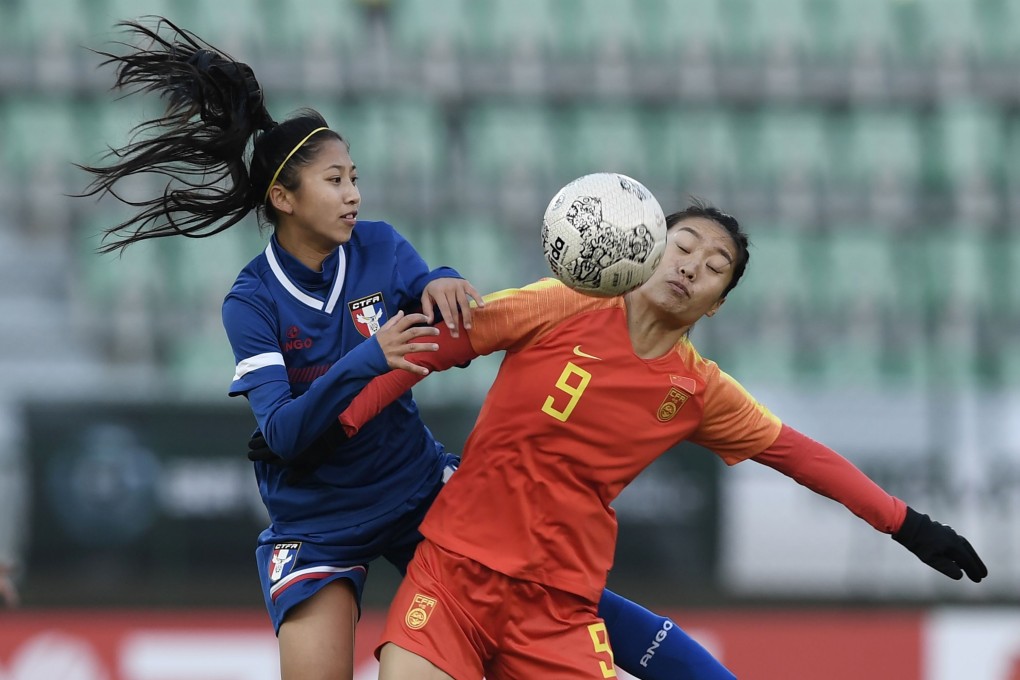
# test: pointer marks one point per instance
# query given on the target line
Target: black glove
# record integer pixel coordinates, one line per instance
(940, 547)
(306, 462)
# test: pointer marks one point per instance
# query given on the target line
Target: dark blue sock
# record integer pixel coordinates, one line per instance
(652, 647)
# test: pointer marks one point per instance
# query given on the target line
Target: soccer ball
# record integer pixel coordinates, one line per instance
(603, 234)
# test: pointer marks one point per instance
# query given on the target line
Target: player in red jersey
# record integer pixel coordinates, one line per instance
(591, 390)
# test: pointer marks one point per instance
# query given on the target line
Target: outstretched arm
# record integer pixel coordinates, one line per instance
(825, 472)
(381, 391)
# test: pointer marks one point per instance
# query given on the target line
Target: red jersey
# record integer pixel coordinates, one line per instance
(572, 417)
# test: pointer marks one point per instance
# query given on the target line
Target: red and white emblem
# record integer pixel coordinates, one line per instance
(368, 314)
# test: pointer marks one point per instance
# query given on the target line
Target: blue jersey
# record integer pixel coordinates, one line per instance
(304, 346)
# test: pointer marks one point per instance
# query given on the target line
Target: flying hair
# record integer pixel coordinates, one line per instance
(214, 109)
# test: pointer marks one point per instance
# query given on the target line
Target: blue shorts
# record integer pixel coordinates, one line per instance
(293, 568)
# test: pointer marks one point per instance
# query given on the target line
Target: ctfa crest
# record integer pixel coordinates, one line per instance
(368, 313)
(282, 562)
(419, 611)
(674, 401)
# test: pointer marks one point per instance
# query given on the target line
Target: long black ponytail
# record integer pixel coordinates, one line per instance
(214, 108)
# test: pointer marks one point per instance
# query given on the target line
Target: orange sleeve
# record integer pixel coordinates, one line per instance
(735, 426)
(385, 389)
(827, 473)
(510, 320)
(515, 318)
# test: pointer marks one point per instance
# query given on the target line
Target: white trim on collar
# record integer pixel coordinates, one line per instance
(300, 295)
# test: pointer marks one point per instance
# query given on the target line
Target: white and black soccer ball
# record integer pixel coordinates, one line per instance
(603, 234)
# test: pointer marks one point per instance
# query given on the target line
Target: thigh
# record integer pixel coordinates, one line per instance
(553, 634)
(317, 635)
(293, 572)
(396, 663)
(445, 611)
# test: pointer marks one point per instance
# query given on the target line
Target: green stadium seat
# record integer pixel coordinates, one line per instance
(588, 28)
(875, 142)
(423, 26)
(506, 27)
(42, 137)
(791, 142)
(604, 138)
(972, 140)
(778, 276)
(672, 27)
(950, 26)
(201, 271)
(956, 269)
(861, 26)
(108, 12)
(485, 252)
(862, 265)
(502, 139)
(697, 143)
(760, 29)
(200, 362)
(770, 361)
(309, 26)
(45, 28)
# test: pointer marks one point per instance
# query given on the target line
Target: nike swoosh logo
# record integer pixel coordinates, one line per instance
(578, 352)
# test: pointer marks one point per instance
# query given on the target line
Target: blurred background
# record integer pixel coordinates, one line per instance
(871, 149)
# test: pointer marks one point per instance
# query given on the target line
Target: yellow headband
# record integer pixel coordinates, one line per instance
(292, 152)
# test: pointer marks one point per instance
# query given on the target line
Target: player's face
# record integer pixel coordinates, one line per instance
(325, 204)
(695, 270)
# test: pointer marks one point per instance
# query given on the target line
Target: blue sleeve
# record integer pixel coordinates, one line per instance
(290, 423)
(413, 273)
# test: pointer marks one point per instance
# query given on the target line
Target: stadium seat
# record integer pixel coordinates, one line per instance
(589, 28)
(45, 28)
(201, 271)
(506, 27)
(791, 141)
(761, 29)
(318, 26)
(860, 26)
(871, 142)
(599, 139)
(503, 138)
(200, 362)
(862, 264)
(972, 139)
(956, 269)
(778, 275)
(423, 26)
(704, 142)
(952, 26)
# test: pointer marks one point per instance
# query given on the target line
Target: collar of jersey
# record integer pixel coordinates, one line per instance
(288, 271)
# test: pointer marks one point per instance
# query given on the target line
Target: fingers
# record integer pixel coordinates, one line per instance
(947, 566)
(426, 308)
(453, 298)
(970, 561)
(397, 339)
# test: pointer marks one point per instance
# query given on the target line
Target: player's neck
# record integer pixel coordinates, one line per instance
(652, 335)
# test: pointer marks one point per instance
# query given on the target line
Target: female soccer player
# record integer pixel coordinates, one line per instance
(311, 319)
(590, 392)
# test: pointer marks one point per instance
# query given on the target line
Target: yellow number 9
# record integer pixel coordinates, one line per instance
(600, 638)
(573, 391)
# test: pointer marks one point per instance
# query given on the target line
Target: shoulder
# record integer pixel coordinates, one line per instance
(373, 232)
(252, 278)
(554, 294)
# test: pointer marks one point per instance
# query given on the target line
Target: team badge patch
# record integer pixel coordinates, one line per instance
(674, 401)
(368, 313)
(419, 611)
(282, 562)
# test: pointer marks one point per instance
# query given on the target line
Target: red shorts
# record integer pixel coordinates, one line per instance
(472, 621)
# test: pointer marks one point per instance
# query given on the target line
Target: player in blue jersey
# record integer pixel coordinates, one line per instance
(321, 311)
